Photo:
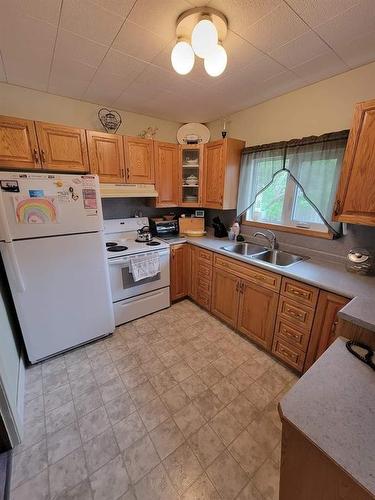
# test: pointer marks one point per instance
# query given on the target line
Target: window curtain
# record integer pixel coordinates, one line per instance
(314, 163)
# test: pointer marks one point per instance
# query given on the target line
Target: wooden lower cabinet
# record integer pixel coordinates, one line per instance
(324, 327)
(179, 271)
(225, 296)
(257, 313)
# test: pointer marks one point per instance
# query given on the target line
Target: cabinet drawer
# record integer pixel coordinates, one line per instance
(306, 294)
(205, 255)
(288, 353)
(295, 313)
(204, 285)
(291, 334)
(204, 270)
(254, 274)
(204, 299)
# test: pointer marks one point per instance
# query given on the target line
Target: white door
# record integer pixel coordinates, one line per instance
(34, 205)
(60, 290)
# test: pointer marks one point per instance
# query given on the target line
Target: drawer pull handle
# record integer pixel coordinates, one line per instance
(259, 277)
(294, 314)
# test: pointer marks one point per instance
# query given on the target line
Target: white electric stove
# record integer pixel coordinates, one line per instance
(132, 300)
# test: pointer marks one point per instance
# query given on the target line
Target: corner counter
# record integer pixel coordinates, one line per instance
(328, 438)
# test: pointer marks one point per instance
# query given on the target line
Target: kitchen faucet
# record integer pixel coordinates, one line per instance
(271, 239)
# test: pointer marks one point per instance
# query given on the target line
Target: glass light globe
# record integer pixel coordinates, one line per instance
(216, 61)
(182, 58)
(204, 37)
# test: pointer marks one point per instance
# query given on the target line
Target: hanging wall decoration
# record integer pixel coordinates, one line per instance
(110, 119)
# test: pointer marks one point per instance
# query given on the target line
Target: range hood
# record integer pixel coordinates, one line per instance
(128, 191)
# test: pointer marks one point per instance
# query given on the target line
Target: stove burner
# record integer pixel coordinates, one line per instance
(116, 248)
(110, 244)
(153, 243)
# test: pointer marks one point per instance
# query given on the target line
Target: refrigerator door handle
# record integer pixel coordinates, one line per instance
(16, 274)
(4, 226)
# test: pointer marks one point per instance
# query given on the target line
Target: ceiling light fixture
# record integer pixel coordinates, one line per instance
(206, 28)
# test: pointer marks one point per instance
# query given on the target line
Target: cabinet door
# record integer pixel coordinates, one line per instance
(18, 144)
(355, 199)
(214, 175)
(257, 313)
(139, 161)
(166, 174)
(106, 156)
(179, 271)
(324, 326)
(62, 148)
(225, 296)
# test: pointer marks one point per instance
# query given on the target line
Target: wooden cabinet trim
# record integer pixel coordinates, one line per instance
(263, 278)
(301, 292)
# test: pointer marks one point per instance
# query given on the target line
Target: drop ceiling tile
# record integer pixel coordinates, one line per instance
(80, 49)
(358, 51)
(168, 81)
(121, 65)
(243, 13)
(28, 61)
(139, 42)
(315, 12)
(280, 84)
(349, 25)
(70, 78)
(45, 10)
(321, 67)
(240, 52)
(259, 70)
(275, 29)
(300, 50)
(103, 94)
(158, 17)
(91, 21)
(120, 7)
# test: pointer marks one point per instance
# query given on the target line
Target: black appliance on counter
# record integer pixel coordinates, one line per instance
(219, 228)
(165, 229)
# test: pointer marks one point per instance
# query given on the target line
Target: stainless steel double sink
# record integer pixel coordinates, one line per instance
(257, 252)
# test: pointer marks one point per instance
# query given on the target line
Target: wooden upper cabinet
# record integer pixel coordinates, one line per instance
(18, 143)
(257, 313)
(324, 327)
(106, 156)
(139, 160)
(225, 296)
(221, 173)
(355, 198)
(166, 156)
(62, 148)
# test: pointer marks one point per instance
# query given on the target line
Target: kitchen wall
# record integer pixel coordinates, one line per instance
(325, 106)
(35, 105)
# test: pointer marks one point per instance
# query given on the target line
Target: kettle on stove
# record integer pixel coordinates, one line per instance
(143, 234)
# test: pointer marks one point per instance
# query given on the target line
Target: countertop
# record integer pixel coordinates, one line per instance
(339, 416)
(328, 275)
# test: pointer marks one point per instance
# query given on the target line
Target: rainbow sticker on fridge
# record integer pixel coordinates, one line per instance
(36, 210)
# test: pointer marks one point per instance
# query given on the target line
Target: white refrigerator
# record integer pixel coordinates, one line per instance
(51, 243)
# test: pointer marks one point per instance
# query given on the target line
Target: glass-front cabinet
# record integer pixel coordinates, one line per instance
(191, 178)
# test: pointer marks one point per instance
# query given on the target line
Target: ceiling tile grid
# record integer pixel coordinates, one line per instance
(117, 52)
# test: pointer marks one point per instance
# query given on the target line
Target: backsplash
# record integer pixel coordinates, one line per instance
(117, 208)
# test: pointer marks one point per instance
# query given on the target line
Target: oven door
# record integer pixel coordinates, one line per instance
(122, 284)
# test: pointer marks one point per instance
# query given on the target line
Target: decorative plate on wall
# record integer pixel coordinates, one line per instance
(193, 133)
